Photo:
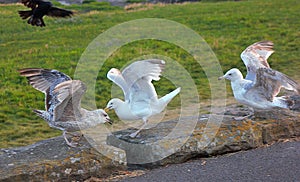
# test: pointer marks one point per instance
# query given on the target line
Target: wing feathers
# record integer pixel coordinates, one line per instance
(68, 94)
(58, 12)
(147, 68)
(255, 56)
(137, 77)
(42, 79)
(272, 81)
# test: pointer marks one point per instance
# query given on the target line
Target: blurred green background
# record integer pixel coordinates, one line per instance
(227, 26)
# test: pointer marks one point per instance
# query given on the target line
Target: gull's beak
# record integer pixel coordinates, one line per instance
(106, 109)
(221, 77)
(109, 121)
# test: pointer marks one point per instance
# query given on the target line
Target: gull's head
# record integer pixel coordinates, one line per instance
(113, 73)
(113, 104)
(104, 116)
(232, 75)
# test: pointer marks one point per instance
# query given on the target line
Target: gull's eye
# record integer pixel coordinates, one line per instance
(229, 74)
(105, 115)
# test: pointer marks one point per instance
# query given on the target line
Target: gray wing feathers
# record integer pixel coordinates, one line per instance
(63, 95)
(43, 79)
(255, 56)
(271, 81)
(264, 49)
(68, 95)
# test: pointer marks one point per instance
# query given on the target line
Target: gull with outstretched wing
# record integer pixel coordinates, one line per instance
(141, 100)
(62, 101)
(262, 84)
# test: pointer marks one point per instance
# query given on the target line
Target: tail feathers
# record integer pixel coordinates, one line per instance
(36, 21)
(167, 98)
(25, 14)
(283, 102)
(296, 102)
(43, 114)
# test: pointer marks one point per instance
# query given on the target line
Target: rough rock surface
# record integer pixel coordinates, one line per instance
(53, 160)
(263, 128)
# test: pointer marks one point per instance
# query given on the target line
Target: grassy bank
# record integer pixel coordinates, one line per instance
(228, 27)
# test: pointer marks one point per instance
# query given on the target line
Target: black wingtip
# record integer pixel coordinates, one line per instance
(295, 102)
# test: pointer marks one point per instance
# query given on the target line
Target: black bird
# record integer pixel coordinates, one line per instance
(40, 8)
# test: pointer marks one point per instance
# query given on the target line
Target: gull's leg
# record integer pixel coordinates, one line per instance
(240, 118)
(76, 134)
(133, 135)
(71, 144)
(76, 137)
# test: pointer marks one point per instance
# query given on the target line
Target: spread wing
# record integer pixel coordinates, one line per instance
(58, 12)
(139, 76)
(44, 80)
(30, 3)
(255, 56)
(67, 98)
(269, 82)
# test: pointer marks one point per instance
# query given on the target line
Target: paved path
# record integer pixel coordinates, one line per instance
(279, 162)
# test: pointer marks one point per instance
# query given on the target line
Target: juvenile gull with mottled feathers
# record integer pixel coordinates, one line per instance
(62, 101)
(261, 86)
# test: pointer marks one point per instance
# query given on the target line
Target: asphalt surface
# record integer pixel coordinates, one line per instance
(278, 162)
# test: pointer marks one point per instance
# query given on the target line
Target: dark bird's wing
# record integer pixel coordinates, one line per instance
(269, 82)
(25, 14)
(255, 56)
(44, 80)
(30, 3)
(58, 12)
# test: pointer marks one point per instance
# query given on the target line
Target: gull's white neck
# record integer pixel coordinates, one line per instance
(123, 111)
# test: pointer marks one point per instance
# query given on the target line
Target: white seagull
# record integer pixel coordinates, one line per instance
(141, 99)
(262, 84)
(62, 101)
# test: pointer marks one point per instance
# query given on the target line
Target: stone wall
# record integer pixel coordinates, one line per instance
(53, 160)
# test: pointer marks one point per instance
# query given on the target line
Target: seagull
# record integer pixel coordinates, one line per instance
(62, 101)
(40, 8)
(261, 86)
(141, 100)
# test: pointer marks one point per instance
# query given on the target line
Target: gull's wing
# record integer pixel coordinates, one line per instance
(255, 56)
(269, 82)
(139, 76)
(44, 80)
(58, 12)
(66, 100)
(115, 76)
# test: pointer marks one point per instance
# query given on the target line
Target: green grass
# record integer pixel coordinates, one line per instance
(228, 27)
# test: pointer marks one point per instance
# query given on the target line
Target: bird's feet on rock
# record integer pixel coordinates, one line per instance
(133, 135)
(74, 140)
(72, 143)
(240, 118)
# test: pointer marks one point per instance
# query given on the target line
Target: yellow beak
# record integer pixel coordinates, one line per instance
(106, 109)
